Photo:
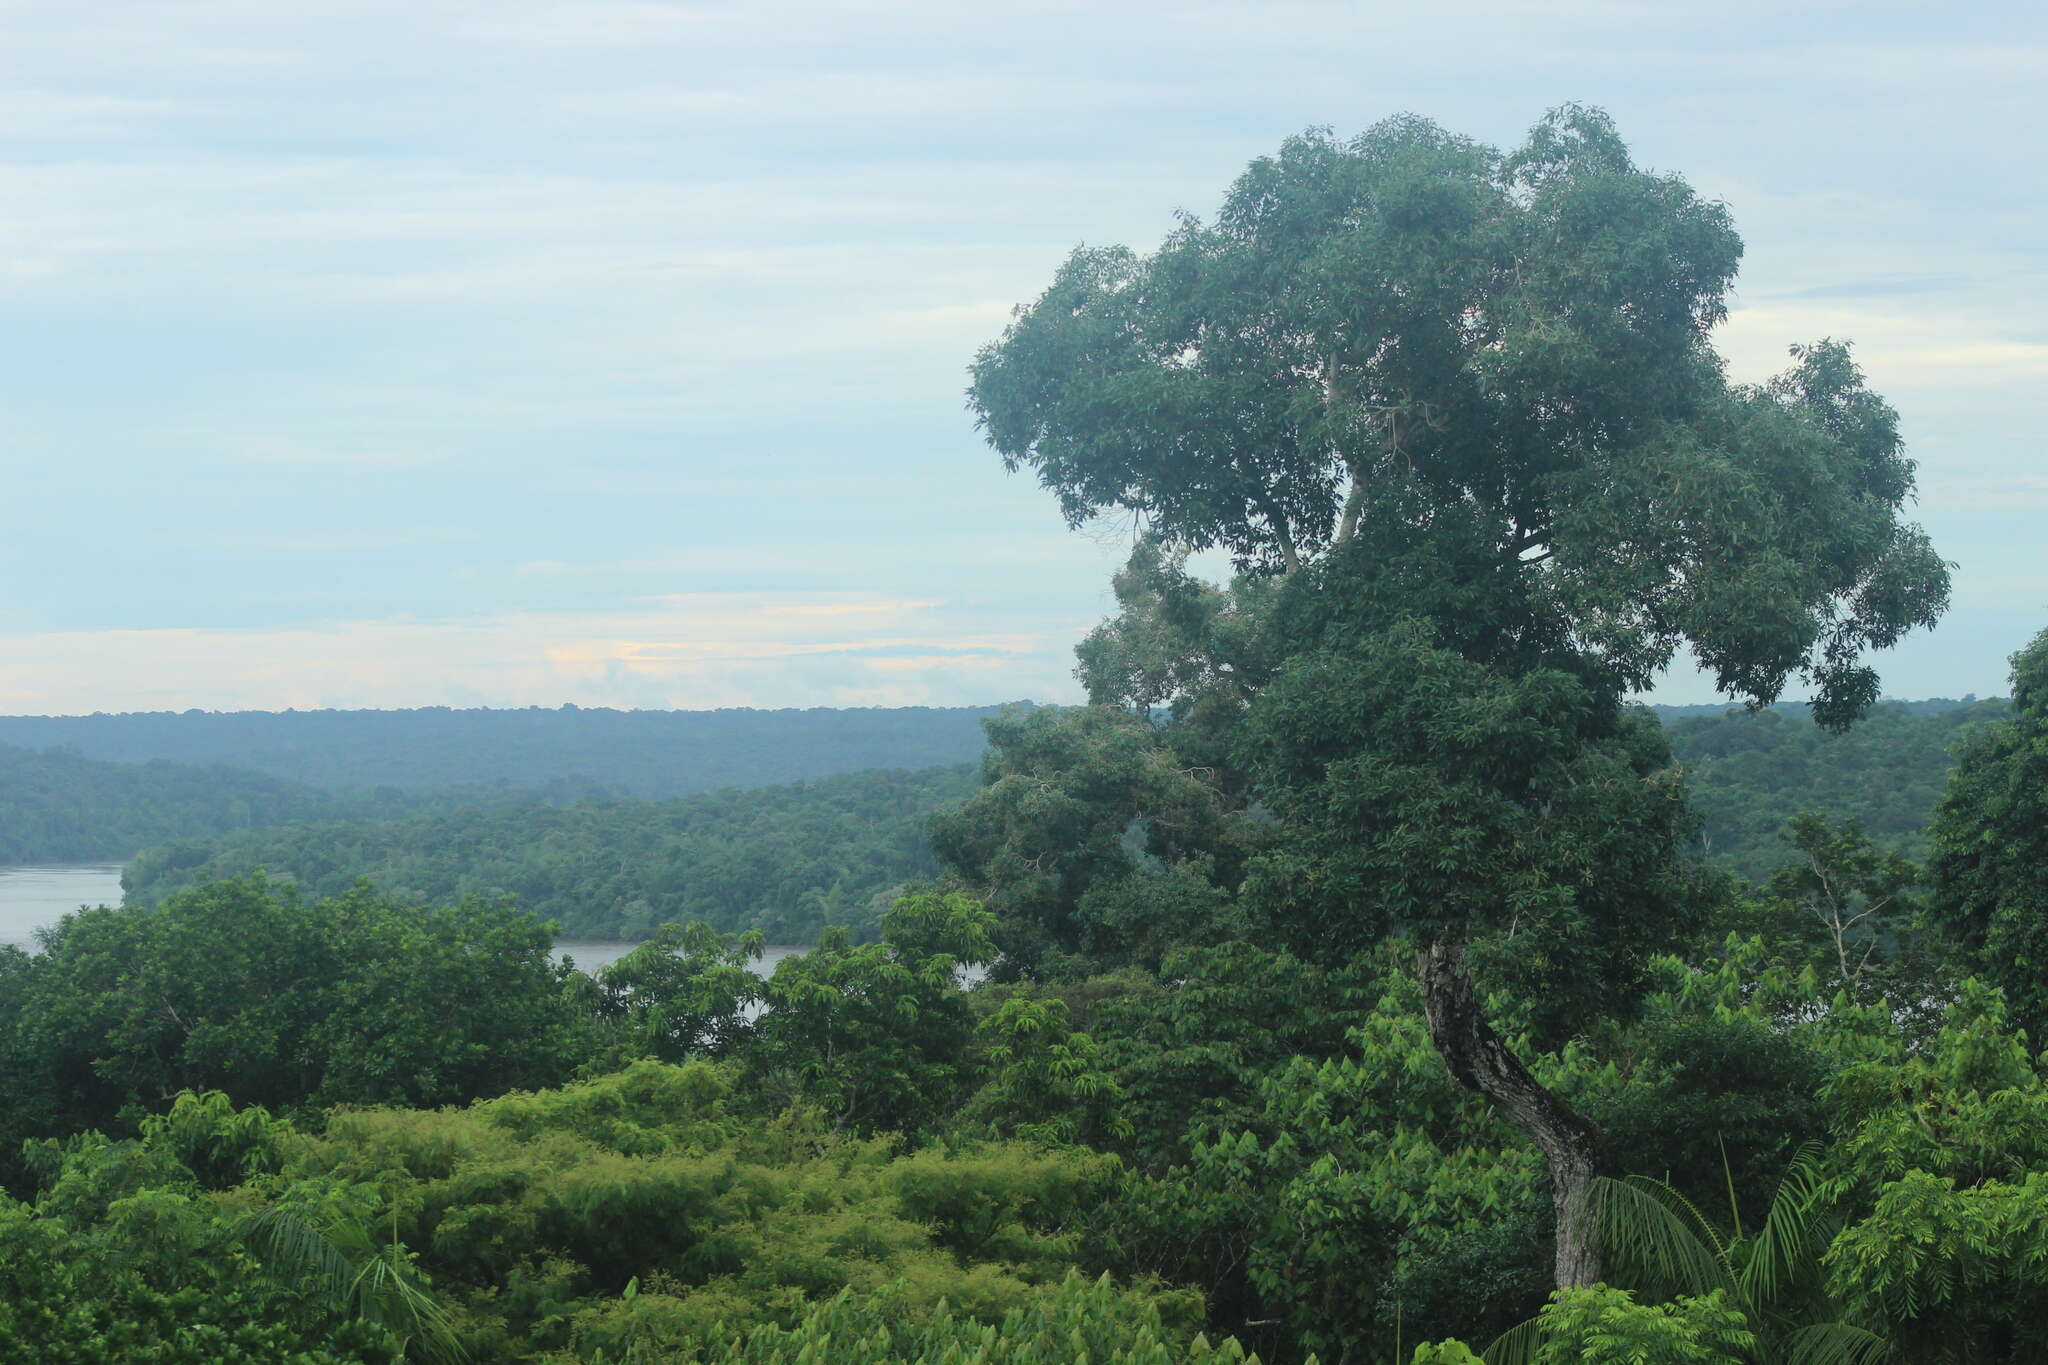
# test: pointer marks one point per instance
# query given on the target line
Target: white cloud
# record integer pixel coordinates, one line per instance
(689, 651)
(1899, 346)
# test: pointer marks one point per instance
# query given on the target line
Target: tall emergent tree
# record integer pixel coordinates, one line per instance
(1455, 415)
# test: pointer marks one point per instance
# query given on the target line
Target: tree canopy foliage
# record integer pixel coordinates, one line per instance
(1750, 772)
(785, 860)
(1456, 416)
(1991, 843)
(58, 806)
(1375, 331)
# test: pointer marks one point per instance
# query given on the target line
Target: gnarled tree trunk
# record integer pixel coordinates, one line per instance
(1482, 1062)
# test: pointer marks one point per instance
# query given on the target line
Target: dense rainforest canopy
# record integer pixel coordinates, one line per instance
(784, 860)
(59, 806)
(1358, 984)
(1749, 773)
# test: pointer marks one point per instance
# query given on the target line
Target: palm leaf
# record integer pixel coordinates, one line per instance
(1784, 1251)
(1516, 1346)
(1834, 1343)
(298, 1252)
(367, 1284)
(386, 1294)
(1658, 1242)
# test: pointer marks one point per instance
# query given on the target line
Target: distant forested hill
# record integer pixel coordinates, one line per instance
(60, 806)
(648, 754)
(1750, 772)
(786, 860)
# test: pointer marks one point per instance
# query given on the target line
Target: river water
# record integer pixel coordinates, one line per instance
(34, 897)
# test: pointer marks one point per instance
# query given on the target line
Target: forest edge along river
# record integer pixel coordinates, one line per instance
(36, 896)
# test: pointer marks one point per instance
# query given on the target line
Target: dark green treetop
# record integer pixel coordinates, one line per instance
(1408, 324)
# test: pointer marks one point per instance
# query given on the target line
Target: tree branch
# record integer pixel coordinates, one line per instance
(1282, 534)
(1354, 503)
(1480, 1061)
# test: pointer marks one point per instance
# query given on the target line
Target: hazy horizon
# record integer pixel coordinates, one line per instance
(1887, 699)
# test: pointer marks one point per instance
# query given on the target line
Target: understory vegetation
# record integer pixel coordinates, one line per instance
(1356, 984)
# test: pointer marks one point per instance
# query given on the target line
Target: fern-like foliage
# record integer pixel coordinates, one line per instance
(340, 1263)
(1659, 1245)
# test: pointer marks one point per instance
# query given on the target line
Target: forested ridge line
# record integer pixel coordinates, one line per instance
(786, 860)
(647, 754)
(790, 859)
(59, 806)
(1749, 772)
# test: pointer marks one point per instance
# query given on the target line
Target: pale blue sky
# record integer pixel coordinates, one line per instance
(382, 354)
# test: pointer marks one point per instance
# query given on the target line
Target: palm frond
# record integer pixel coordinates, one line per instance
(298, 1252)
(386, 1293)
(1835, 1343)
(344, 1268)
(1516, 1346)
(1785, 1252)
(1656, 1243)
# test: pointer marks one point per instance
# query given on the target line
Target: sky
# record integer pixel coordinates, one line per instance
(521, 353)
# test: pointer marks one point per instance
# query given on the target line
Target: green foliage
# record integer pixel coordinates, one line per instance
(1422, 791)
(338, 1260)
(1519, 339)
(631, 1217)
(1606, 1326)
(59, 806)
(121, 1257)
(784, 860)
(1081, 1321)
(67, 1297)
(1367, 1190)
(879, 1035)
(1749, 772)
(239, 986)
(534, 1214)
(1094, 842)
(1855, 904)
(1936, 1154)
(1990, 841)
(1661, 1246)
(1445, 1353)
(686, 990)
(1046, 1082)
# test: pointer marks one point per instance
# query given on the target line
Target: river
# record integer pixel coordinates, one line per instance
(33, 897)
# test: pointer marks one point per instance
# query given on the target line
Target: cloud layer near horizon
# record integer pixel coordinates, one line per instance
(690, 651)
(411, 354)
